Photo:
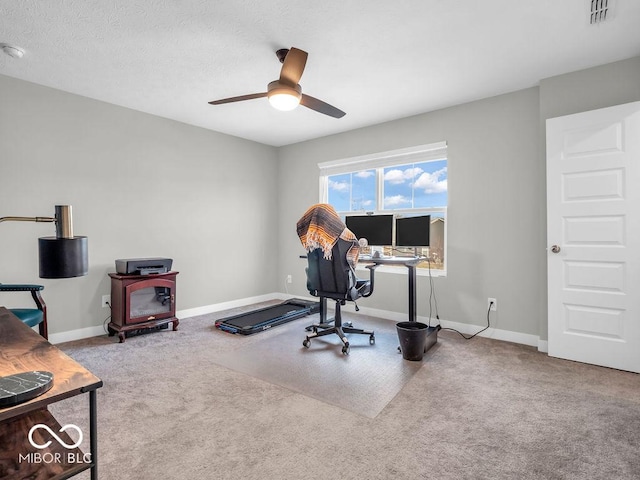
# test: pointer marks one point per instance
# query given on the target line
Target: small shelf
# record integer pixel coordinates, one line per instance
(21, 460)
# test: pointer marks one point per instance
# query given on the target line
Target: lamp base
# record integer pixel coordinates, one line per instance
(63, 257)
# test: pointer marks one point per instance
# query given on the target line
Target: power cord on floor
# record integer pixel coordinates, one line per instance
(433, 301)
(479, 331)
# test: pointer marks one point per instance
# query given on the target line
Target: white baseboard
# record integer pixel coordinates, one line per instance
(78, 334)
(467, 329)
(193, 312)
(495, 333)
(96, 331)
(543, 346)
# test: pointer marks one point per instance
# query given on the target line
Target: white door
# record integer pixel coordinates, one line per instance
(593, 223)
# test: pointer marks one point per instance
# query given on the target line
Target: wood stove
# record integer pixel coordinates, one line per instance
(140, 302)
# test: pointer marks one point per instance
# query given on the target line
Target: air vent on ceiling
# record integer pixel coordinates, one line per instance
(599, 11)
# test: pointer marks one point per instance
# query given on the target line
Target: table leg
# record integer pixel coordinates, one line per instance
(93, 433)
(413, 317)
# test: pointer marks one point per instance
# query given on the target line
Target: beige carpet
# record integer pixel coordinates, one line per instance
(364, 381)
(480, 409)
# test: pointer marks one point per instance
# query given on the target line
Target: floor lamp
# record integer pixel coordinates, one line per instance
(62, 256)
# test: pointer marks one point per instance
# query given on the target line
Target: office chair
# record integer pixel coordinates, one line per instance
(30, 316)
(335, 279)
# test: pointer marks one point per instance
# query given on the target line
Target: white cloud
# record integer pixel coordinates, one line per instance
(339, 186)
(365, 174)
(361, 204)
(394, 176)
(410, 173)
(432, 182)
(395, 200)
(397, 176)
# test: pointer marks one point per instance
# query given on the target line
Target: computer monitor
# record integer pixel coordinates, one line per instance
(377, 229)
(413, 231)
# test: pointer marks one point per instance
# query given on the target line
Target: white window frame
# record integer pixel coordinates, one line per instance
(379, 161)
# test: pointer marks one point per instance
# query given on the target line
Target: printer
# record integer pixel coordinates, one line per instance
(143, 266)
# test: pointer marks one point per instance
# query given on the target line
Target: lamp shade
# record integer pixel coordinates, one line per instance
(284, 101)
(63, 257)
(283, 96)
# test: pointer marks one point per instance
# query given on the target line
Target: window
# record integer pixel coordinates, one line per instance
(415, 185)
(407, 182)
(353, 191)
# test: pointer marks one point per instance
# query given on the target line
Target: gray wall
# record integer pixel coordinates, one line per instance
(140, 186)
(497, 195)
(598, 87)
(493, 215)
(146, 186)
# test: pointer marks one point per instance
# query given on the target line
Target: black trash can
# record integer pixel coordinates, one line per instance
(412, 336)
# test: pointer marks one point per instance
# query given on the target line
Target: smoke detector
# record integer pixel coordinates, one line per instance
(600, 11)
(11, 50)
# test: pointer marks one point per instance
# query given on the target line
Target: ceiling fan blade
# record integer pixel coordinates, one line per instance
(293, 66)
(320, 106)
(238, 99)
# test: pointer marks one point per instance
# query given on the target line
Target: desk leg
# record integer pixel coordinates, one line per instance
(93, 433)
(413, 317)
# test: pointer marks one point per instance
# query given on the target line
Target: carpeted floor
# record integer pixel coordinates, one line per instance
(479, 409)
(363, 382)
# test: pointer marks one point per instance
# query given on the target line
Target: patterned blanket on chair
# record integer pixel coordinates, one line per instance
(321, 227)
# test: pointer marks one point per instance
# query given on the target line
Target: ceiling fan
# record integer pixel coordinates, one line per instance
(285, 93)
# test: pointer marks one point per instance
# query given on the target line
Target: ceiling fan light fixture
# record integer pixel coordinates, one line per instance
(284, 101)
(286, 93)
(282, 97)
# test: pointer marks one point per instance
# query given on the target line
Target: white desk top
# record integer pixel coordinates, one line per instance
(387, 260)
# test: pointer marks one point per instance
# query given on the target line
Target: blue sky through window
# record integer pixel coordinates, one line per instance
(417, 185)
(353, 191)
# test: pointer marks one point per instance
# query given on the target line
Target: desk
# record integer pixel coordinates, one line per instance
(410, 263)
(22, 349)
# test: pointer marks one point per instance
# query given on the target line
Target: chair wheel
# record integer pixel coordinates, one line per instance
(345, 349)
(306, 343)
(372, 340)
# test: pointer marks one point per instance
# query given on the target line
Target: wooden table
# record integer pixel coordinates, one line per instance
(21, 350)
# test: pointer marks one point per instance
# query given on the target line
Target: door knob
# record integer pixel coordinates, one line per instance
(555, 248)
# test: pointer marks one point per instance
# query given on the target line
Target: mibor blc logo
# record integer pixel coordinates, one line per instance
(53, 434)
(55, 457)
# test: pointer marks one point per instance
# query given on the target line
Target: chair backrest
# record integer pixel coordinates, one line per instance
(30, 316)
(332, 278)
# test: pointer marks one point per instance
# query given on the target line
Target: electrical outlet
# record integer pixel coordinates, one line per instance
(289, 279)
(106, 301)
(492, 304)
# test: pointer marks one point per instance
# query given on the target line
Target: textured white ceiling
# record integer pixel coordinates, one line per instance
(377, 60)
